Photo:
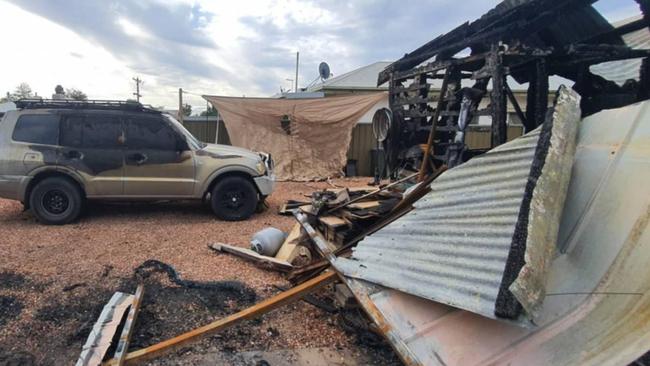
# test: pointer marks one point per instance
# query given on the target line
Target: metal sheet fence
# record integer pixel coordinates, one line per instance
(206, 131)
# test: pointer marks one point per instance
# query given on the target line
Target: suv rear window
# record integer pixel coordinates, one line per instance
(37, 129)
(98, 131)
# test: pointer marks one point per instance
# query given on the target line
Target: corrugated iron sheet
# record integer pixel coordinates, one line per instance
(597, 311)
(622, 71)
(454, 247)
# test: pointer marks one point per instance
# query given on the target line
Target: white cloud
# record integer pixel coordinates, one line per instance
(44, 54)
(244, 47)
(133, 29)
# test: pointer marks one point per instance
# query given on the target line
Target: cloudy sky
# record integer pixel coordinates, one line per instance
(233, 48)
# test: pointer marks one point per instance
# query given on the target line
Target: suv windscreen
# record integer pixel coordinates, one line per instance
(151, 133)
(98, 131)
(193, 141)
(37, 129)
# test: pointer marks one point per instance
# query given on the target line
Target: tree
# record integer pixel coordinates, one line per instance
(211, 111)
(6, 98)
(187, 110)
(22, 91)
(75, 94)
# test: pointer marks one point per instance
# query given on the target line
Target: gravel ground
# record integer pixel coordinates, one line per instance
(55, 280)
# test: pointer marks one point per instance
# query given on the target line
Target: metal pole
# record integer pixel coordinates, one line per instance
(297, 65)
(216, 138)
(180, 104)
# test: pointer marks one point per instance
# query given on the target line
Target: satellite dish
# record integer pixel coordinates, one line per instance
(324, 70)
(381, 122)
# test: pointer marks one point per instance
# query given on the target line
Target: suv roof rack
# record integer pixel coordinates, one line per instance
(83, 104)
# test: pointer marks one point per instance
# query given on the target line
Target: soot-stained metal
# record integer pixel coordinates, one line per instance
(526, 41)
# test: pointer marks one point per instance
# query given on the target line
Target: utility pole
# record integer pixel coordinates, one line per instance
(180, 104)
(297, 64)
(137, 94)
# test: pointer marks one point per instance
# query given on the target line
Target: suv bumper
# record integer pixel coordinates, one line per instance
(13, 186)
(265, 184)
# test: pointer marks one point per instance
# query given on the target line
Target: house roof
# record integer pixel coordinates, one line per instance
(363, 78)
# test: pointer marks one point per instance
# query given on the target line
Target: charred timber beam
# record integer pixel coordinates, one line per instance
(434, 121)
(603, 50)
(593, 57)
(512, 55)
(410, 88)
(423, 93)
(415, 100)
(437, 66)
(414, 113)
(609, 37)
(498, 99)
(515, 104)
(644, 84)
(537, 103)
(394, 136)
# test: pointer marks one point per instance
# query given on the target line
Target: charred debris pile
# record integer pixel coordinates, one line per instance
(474, 230)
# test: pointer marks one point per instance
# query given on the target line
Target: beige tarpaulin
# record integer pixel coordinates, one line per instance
(313, 146)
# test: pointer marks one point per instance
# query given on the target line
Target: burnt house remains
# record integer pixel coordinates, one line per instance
(525, 41)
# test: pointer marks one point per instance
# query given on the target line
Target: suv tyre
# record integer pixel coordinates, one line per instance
(234, 198)
(56, 201)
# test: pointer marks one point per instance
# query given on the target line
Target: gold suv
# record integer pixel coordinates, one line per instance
(54, 155)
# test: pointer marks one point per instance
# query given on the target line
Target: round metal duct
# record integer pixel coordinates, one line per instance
(381, 123)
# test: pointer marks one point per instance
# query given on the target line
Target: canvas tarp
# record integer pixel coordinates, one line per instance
(319, 133)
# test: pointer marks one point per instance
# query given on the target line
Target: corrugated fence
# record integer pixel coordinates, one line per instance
(206, 131)
(361, 145)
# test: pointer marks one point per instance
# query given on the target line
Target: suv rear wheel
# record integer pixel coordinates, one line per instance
(234, 198)
(56, 201)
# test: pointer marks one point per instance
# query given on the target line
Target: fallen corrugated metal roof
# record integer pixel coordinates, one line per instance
(467, 240)
(597, 309)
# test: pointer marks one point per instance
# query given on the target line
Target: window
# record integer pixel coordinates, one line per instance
(37, 129)
(99, 131)
(150, 133)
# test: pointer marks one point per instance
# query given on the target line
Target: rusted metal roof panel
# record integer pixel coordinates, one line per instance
(597, 309)
(464, 243)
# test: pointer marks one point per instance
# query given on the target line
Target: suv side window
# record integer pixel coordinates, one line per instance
(152, 133)
(98, 131)
(37, 129)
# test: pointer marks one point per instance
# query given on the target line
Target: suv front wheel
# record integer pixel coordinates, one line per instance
(234, 198)
(56, 201)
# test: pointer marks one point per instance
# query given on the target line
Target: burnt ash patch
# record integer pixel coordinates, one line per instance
(19, 358)
(11, 280)
(170, 310)
(170, 305)
(80, 308)
(10, 308)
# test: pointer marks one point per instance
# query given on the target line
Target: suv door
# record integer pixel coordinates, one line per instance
(92, 145)
(158, 160)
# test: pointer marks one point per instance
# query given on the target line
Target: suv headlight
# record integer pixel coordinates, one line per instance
(260, 167)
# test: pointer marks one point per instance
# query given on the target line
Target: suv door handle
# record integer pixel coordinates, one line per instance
(138, 158)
